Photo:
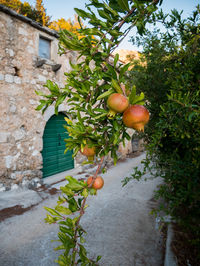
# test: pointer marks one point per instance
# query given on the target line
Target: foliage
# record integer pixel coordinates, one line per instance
(71, 233)
(169, 76)
(69, 25)
(39, 6)
(38, 14)
(92, 79)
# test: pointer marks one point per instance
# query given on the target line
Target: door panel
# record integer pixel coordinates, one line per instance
(54, 159)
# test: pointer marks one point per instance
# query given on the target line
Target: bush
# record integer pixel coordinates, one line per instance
(168, 74)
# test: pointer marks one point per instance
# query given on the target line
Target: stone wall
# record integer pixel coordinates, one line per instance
(21, 127)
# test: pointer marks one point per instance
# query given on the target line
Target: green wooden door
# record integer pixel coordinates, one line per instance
(54, 159)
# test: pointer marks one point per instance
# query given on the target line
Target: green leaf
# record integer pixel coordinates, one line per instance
(49, 219)
(93, 191)
(132, 94)
(116, 126)
(123, 4)
(98, 258)
(105, 94)
(103, 14)
(52, 211)
(82, 13)
(61, 200)
(82, 240)
(191, 115)
(66, 230)
(82, 252)
(116, 59)
(40, 93)
(73, 206)
(91, 31)
(112, 11)
(126, 135)
(59, 247)
(39, 107)
(63, 210)
(123, 70)
(100, 116)
(116, 86)
(138, 99)
(84, 193)
(67, 191)
(115, 33)
(74, 184)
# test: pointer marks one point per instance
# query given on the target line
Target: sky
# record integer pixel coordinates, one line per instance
(65, 9)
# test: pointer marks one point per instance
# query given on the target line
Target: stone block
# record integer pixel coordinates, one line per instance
(10, 52)
(33, 81)
(35, 153)
(8, 161)
(17, 80)
(4, 136)
(32, 102)
(42, 78)
(14, 187)
(18, 134)
(10, 70)
(9, 78)
(1, 76)
(45, 72)
(22, 31)
(13, 108)
(2, 188)
(30, 49)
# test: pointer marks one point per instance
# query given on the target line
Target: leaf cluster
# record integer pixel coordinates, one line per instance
(67, 213)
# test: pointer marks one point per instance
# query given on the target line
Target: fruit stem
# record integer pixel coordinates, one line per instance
(98, 169)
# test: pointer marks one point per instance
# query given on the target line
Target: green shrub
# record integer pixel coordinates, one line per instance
(170, 78)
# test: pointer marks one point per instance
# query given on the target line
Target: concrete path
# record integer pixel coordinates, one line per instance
(118, 224)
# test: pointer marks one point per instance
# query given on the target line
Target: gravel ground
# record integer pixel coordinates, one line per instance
(118, 223)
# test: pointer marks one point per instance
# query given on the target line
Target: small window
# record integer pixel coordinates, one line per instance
(44, 48)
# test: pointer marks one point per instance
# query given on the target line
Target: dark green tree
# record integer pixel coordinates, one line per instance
(168, 74)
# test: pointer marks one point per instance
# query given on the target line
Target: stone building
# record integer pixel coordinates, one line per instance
(31, 144)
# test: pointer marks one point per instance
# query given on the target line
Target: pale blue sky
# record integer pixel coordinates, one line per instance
(65, 8)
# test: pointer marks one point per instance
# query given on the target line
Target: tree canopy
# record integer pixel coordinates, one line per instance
(37, 13)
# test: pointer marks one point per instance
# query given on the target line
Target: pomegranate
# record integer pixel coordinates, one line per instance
(136, 116)
(89, 152)
(117, 103)
(98, 182)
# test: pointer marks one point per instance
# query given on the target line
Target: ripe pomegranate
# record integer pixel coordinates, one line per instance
(117, 103)
(136, 116)
(89, 152)
(98, 182)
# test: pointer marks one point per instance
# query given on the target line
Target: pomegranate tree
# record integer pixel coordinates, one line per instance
(92, 92)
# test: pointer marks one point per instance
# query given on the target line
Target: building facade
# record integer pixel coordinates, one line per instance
(29, 145)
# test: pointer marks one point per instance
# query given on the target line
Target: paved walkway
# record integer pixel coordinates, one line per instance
(118, 224)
